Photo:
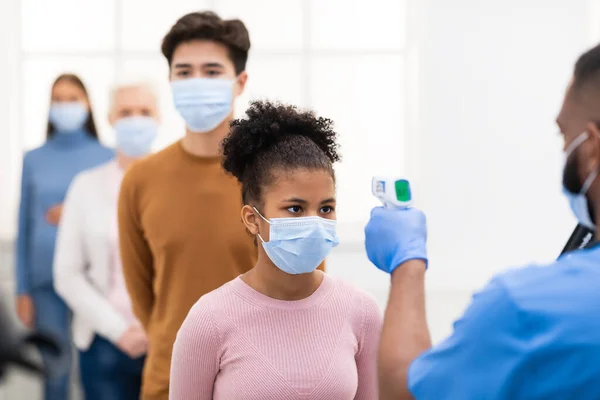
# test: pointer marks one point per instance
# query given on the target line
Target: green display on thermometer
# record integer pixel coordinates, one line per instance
(402, 190)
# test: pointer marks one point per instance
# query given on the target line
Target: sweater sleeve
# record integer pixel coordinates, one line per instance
(24, 229)
(195, 361)
(136, 257)
(70, 261)
(366, 358)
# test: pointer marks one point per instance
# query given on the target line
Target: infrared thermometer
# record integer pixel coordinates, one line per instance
(393, 192)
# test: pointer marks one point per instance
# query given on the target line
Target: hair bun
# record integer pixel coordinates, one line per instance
(267, 124)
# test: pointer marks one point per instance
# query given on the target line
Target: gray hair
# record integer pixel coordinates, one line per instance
(130, 83)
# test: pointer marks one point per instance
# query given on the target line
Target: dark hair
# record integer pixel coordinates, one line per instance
(209, 26)
(90, 126)
(276, 136)
(587, 68)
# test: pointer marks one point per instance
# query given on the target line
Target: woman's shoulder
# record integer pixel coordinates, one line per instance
(203, 318)
(349, 288)
(30, 156)
(211, 302)
(364, 308)
(101, 150)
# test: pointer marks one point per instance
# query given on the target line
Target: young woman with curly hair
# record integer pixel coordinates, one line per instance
(284, 329)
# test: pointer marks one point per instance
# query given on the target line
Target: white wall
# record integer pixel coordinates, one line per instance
(8, 114)
(482, 146)
(492, 76)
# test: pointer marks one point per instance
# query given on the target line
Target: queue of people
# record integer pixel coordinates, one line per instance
(198, 272)
(87, 266)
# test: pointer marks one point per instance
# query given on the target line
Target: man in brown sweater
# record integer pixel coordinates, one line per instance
(179, 213)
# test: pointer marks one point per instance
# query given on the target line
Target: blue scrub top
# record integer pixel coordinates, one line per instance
(532, 333)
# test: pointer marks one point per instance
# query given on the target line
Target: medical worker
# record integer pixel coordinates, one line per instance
(87, 266)
(71, 147)
(531, 333)
(284, 329)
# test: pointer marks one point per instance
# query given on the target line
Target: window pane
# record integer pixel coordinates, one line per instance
(358, 24)
(156, 70)
(68, 25)
(273, 78)
(273, 24)
(97, 74)
(146, 23)
(368, 111)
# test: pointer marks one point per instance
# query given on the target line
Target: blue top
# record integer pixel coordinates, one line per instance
(47, 173)
(532, 333)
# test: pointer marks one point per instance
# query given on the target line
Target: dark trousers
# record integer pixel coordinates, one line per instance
(109, 374)
(52, 316)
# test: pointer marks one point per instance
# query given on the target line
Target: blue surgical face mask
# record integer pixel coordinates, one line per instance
(135, 135)
(68, 117)
(204, 103)
(299, 245)
(573, 189)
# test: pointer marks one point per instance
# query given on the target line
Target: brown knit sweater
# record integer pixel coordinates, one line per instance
(181, 236)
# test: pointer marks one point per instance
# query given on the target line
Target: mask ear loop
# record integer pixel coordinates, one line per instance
(266, 220)
(583, 136)
(589, 180)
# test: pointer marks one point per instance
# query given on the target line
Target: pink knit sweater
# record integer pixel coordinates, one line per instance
(239, 344)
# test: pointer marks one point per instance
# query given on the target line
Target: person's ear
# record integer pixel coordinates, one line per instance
(250, 219)
(594, 149)
(240, 85)
(593, 130)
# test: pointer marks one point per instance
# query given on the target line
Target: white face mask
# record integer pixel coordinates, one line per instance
(298, 245)
(135, 135)
(68, 117)
(204, 103)
(578, 201)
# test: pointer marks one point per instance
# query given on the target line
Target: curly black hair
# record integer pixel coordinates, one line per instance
(277, 136)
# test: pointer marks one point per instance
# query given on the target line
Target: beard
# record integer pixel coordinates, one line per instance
(571, 181)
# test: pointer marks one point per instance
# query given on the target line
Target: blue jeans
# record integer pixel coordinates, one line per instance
(109, 374)
(53, 317)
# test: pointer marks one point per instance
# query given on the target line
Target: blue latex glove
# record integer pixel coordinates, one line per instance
(394, 236)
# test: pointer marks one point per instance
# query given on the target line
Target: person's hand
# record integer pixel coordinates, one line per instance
(25, 310)
(53, 214)
(133, 342)
(394, 236)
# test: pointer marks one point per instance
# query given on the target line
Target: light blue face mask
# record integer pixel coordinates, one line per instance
(68, 117)
(577, 201)
(299, 245)
(135, 135)
(204, 103)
